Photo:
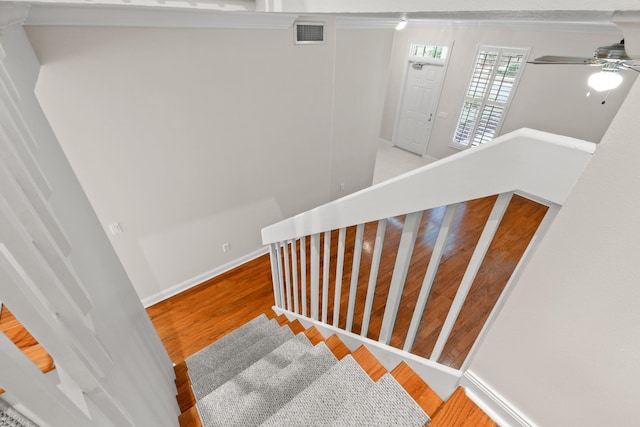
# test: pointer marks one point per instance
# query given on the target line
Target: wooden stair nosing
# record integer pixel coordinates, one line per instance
(460, 411)
(419, 390)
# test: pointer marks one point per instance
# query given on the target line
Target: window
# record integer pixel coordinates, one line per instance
(419, 51)
(493, 81)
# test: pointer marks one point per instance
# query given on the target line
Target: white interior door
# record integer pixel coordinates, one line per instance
(418, 109)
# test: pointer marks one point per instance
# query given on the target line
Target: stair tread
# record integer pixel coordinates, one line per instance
(260, 372)
(419, 390)
(369, 363)
(460, 411)
(189, 418)
(386, 403)
(227, 370)
(261, 403)
(210, 357)
(314, 335)
(315, 405)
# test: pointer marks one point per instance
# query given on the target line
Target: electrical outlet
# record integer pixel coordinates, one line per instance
(226, 247)
(115, 228)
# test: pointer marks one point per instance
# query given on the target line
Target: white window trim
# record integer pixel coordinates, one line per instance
(452, 142)
(426, 59)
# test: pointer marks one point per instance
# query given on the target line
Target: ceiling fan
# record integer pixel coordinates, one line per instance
(612, 59)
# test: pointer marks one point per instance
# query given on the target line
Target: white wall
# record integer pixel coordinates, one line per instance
(194, 138)
(121, 324)
(549, 98)
(362, 66)
(565, 348)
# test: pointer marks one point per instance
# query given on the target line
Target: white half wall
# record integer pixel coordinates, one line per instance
(565, 348)
(194, 138)
(551, 98)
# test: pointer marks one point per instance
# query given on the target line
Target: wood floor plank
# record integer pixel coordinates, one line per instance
(419, 390)
(369, 363)
(190, 418)
(337, 347)
(14, 330)
(199, 316)
(460, 411)
(314, 335)
(185, 396)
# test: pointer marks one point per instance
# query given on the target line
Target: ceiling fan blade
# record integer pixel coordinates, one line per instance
(550, 59)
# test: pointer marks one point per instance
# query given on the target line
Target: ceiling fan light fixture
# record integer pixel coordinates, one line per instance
(403, 23)
(604, 80)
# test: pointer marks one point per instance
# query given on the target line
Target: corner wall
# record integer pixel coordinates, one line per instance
(565, 348)
(193, 138)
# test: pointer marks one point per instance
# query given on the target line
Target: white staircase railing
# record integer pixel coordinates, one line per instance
(540, 166)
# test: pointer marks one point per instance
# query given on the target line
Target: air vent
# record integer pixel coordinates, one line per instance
(309, 32)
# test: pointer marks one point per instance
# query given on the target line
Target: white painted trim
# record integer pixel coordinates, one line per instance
(194, 281)
(507, 24)
(12, 14)
(492, 403)
(442, 379)
(359, 23)
(129, 16)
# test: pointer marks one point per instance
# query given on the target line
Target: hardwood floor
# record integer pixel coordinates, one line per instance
(12, 328)
(199, 316)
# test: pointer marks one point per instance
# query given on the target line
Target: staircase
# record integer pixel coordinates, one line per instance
(274, 372)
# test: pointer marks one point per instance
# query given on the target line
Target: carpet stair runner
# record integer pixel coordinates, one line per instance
(273, 372)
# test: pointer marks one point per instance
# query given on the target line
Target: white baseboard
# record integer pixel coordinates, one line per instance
(494, 405)
(189, 283)
(386, 142)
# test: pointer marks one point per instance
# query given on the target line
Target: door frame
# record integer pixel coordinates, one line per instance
(409, 60)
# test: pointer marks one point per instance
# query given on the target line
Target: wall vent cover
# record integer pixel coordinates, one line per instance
(309, 32)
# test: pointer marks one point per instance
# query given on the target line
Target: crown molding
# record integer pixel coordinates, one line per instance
(555, 26)
(147, 17)
(359, 23)
(11, 14)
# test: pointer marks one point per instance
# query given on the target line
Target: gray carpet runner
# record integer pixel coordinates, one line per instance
(261, 374)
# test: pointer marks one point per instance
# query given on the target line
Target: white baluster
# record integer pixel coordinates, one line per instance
(326, 262)
(42, 234)
(38, 394)
(287, 274)
(472, 269)
(315, 275)
(275, 275)
(373, 276)
(303, 274)
(342, 234)
(294, 273)
(280, 275)
(355, 271)
(403, 260)
(430, 275)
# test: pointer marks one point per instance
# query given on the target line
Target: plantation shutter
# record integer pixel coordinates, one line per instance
(493, 81)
